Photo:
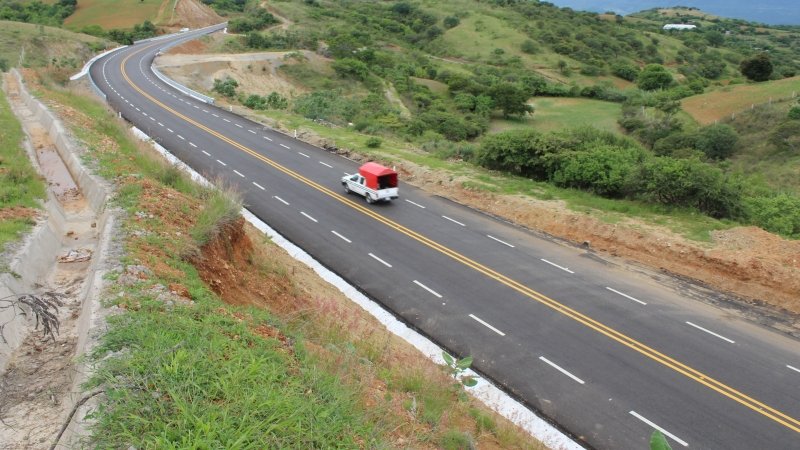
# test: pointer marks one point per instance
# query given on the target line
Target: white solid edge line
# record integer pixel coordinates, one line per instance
(492, 396)
(380, 260)
(309, 217)
(487, 325)
(326, 164)
(281, 200)
(238, 173)
(206, 153)
(498, 240)
(711, 332)
(556, 265)
(342, 237)
(625, 295)
(562, 370)
(793, 368)
(259, 186)
(428, 289)
(454, 221)
(302, 154)
(221, 163)
(667, 433)
(414, 203)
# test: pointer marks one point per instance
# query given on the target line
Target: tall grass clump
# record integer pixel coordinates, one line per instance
(221, 207)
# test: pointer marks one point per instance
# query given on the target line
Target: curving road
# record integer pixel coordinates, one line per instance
(605, 353)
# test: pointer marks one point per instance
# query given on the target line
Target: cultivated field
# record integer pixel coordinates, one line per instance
(720, 104)
(119, 13)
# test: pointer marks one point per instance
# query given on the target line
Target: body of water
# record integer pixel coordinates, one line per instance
(773, 12)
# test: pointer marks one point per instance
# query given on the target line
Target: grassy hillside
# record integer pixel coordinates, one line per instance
(722, 102)
(45, 46)
(553, 114)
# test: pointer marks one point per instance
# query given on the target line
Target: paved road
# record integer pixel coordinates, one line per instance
(605, 353)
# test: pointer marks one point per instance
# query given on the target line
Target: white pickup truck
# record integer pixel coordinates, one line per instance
(374, 182)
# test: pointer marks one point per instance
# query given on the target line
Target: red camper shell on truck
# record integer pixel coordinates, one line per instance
(373, 181)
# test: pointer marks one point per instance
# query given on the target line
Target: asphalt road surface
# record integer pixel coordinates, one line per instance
(606, 353)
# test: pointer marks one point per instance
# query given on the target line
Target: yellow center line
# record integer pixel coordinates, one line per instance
(691, 373)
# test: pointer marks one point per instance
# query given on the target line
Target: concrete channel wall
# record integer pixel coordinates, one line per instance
(36, 255)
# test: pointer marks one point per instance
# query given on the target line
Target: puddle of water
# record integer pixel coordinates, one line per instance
(57, 176)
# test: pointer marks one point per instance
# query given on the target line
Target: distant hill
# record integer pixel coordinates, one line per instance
(45, 46)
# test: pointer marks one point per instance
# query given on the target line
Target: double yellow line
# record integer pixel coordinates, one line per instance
(755, 405)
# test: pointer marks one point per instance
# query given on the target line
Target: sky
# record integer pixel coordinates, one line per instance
(773, 12)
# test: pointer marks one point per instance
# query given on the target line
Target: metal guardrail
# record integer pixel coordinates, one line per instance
(180, 87)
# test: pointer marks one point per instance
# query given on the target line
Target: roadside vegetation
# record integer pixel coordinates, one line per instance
(21, 188)
(224, 341)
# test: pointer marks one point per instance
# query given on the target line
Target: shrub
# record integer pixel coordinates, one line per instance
(226, 87)
(528, 46)
(757, 68)
(374, 142)
(451, 22)
(794, 112)
(717, 141)
(605, 170)
(778, 213)
(351, 68)
(654, 76)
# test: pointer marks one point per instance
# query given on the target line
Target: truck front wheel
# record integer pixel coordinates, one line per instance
(346, 188)
(369, 199)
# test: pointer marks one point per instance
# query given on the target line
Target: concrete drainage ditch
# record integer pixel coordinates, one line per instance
(65, 253)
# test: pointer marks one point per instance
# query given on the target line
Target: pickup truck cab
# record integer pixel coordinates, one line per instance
(374, 182)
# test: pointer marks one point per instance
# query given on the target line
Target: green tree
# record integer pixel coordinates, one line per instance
(625, 71)
(757, 68)
(512, 99)
(451, 22)
(654, 76)
(714, 38)
(717, 141)
(351, 68)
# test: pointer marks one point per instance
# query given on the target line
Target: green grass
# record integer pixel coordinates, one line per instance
(221, 207)
(20, 185)
(553, 114)
(117, 13)
(44, 45)
(721, 103)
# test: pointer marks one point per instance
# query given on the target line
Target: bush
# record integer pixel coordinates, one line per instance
(226, 87)
(654, 76)
(451, 22)
(351, 68)
(528, 46)
(374, 142)
(605, 170)
(794, 112)
(717, 141)
(779, 213)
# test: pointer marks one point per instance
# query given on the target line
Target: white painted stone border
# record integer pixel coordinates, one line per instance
(485, 391)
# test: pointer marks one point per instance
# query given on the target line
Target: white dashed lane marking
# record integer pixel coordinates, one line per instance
(267, 138)
(341, 237)
(281, 200)
(302, 154)
(258, 186)
(626, 296)
(380, 260)
(221, 163)
(556, 265)
(309, 217)
(415, 204)
(454, 221)
(711, 332)
(238, 173)
(326, 165)
(438, 295)
(206, 153)
(560, 369)
(666, 433)
(479, 320)
(284, 146)
(498, 240)
(192, 144)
